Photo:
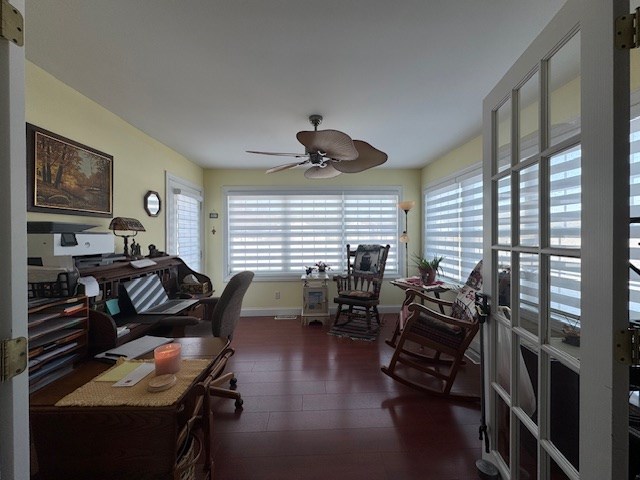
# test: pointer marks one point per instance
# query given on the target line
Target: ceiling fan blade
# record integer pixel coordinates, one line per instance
(286, 166)
(327, 171)
(334, 144)
(296, 155)
(368, 157)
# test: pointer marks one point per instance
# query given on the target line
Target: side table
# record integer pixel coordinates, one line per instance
(315, 304)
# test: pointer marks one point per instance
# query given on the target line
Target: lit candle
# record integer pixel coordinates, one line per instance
(167, 358)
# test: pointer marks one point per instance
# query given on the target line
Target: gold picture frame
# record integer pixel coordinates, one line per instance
(64, 176)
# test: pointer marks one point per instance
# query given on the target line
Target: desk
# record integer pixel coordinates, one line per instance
(103, 326)
(119, 441)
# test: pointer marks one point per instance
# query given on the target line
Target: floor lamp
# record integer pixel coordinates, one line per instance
(404, 238)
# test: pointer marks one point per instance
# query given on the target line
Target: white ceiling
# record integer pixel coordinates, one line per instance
(213, 78)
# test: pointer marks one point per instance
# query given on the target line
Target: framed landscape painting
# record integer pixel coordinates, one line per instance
(64, 176)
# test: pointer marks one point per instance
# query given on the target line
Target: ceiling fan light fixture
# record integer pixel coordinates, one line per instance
(315, 173)
(330, 153)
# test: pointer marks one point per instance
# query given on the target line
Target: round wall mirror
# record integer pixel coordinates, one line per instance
(152, 203)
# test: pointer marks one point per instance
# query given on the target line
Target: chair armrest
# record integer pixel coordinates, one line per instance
(415, 309)
(209, 301)
(342, 282)
(412, 295)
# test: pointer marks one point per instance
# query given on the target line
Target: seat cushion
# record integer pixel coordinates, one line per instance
(355, 294)
(438, 331)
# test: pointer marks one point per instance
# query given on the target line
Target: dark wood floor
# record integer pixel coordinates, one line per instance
(318, 407)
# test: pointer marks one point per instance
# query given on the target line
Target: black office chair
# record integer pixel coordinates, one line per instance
(224, 312)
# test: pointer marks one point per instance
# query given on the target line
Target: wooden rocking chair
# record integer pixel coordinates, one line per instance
(428, 329)
(359, 290)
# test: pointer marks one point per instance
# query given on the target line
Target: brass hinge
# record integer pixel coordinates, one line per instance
(628, 31)
(628, 346)
(11, 23)
(13, 357)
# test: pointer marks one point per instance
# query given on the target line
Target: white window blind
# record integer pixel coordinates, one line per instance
(634, 241)
(188, 222)
(184, 222)
(453, 224)
(278, 233)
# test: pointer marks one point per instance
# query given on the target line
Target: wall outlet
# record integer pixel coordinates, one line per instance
(277, 295)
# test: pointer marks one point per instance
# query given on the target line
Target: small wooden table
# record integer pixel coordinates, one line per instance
(315, 301)
(118, 441)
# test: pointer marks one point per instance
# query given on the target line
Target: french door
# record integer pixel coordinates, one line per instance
(14, 393)
(555, 135)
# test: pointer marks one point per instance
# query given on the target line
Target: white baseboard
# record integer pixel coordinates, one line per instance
(273, 312)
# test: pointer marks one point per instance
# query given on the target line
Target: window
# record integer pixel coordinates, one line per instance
(184, 221)
(453, 223)
(277, 233)
(634, 242)
(453, 220)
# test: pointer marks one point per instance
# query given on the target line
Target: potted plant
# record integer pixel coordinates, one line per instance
(322, 267)
(428, 268)
(571, 333)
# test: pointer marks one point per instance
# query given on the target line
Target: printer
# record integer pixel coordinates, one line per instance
(54, 244)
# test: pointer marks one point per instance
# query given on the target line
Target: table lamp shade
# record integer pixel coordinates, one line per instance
(131, 227)
(126, 224)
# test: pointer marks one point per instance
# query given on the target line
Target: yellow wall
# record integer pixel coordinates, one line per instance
(262, 294)
(566, 107)
(139, 161)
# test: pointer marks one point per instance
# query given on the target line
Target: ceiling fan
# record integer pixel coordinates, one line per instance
(330, 153)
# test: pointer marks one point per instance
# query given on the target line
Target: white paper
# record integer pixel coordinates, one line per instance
(134, 377)
(135, 348)
(91, 287)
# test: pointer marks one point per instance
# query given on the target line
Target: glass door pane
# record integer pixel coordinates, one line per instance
(529, 299)
(529, 206)
(564, 88)
(529, 107)
(564, 304)
(503, 121)
(504, 211)
(565, 198)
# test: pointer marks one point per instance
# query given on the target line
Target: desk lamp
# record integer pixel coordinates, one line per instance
(404, 238)
(124, 224)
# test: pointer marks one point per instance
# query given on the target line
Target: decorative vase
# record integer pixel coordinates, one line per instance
(428, 276)
(321, 269)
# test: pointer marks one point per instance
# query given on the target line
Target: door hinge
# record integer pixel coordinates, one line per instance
(628, 346)
(11, 23)
(13, 357)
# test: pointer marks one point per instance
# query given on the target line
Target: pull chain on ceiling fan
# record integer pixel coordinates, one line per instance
(330, 153)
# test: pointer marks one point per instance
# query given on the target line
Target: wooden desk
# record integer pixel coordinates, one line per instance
(120, 441)
(103, 327)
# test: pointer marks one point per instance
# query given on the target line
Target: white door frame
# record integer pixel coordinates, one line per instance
(14, 394)
(603, 439)
(604, 382)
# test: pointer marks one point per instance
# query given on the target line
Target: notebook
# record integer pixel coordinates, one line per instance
(148, 297)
